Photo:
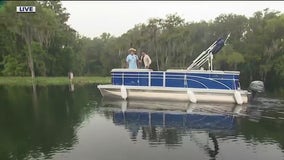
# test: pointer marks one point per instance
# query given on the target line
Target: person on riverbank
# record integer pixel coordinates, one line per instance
(132, 59)
(145, 60)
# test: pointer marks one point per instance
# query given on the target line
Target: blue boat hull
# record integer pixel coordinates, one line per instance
(193, 86)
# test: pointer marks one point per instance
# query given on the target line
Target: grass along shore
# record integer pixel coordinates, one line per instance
(27, 81)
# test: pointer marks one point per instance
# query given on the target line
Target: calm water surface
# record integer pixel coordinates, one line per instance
(55, 123)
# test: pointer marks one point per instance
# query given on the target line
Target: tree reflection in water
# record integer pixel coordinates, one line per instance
(37, 121)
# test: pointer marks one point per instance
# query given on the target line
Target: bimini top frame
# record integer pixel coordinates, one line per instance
(207, 55)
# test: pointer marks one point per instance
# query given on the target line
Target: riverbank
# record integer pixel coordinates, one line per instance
(43, 81)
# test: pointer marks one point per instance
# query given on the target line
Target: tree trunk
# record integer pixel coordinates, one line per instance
(27, 34)
(30, 61)
(155, 48)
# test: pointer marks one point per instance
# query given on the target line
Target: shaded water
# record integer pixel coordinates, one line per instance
(56, 123)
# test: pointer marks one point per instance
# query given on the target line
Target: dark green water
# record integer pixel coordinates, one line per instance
(54, 123)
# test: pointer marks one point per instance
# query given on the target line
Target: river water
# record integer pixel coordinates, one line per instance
(57, 122)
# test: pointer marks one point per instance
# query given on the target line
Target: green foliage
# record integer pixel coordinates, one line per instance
(39, 55)
(13, 66)
(228, 59)
(279, 66)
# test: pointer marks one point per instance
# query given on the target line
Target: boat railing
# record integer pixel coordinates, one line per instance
(182, 79)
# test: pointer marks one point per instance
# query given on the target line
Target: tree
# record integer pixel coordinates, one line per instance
(40, 30)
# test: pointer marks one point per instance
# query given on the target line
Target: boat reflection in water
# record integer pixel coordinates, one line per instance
(168, 122)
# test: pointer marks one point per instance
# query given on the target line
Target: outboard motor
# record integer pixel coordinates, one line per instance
(256, 87)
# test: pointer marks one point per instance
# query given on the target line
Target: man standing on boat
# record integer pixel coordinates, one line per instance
(132, 59)
(145, 60)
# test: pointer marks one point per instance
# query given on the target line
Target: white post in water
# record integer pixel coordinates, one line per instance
(70, 76)
(71, 87)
